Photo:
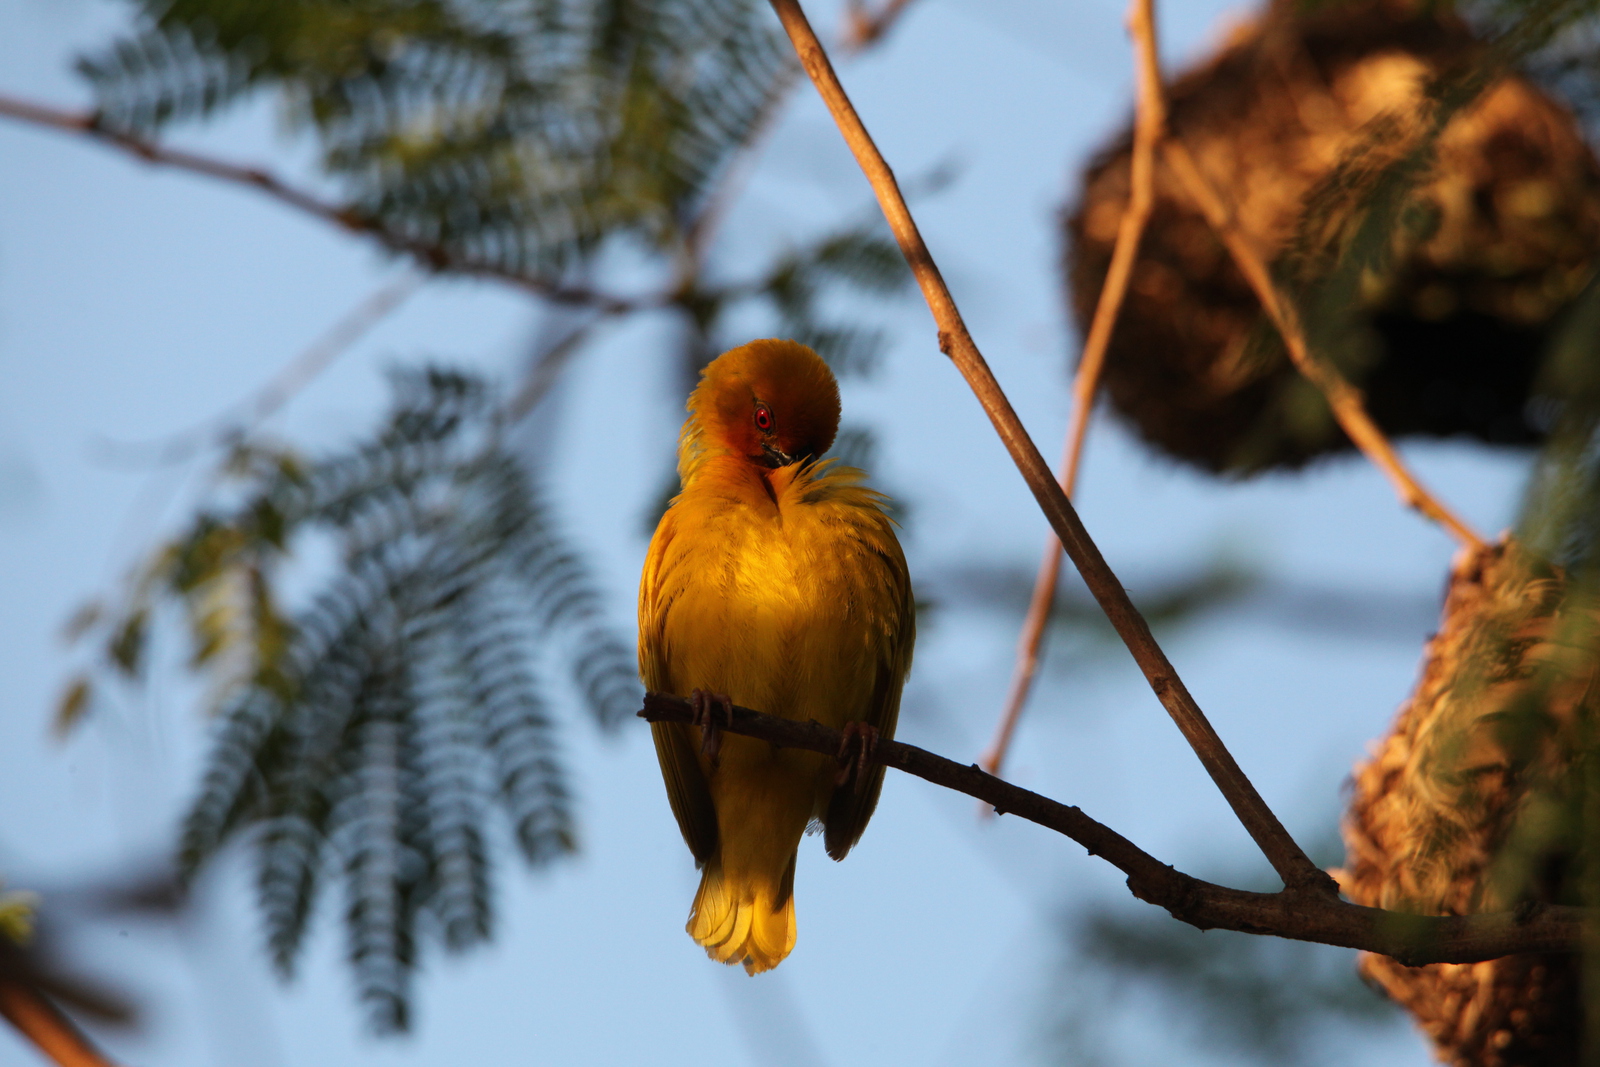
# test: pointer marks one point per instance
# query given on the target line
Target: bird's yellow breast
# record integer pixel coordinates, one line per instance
(781, 589)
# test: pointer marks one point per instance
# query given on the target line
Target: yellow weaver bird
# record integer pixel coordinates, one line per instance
(774, 581)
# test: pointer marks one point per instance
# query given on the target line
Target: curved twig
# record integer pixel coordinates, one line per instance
(427, 254)
(1286, 857)
(1348, 405)
(36, 1018)
(1302, 914)
(864, 30)
(1149, 122)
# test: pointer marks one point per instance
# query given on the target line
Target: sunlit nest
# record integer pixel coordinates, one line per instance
(1475, 802)
(1429, 269)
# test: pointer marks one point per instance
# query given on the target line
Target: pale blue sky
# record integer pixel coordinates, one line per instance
(135, 302)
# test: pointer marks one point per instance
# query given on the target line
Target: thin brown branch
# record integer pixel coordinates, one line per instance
(1029, 643)
(1149, 123)
(863, 30)
(33, 1016)
(1348, 405)
(1303, 914)
(1286, 857)
(432, 256)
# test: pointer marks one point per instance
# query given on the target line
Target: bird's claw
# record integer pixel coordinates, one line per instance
(863, 739)
(712, 711)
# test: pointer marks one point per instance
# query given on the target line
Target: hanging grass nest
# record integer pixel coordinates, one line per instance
(1432, 233)
(1476, 800)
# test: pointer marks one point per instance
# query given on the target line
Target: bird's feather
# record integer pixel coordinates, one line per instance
(785, 590)
(676, 743)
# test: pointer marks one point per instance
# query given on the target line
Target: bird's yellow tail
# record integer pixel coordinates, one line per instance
(744, 920)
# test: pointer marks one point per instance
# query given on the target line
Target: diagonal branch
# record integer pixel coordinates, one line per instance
(1149, 122)
(1286, 857)
(36, 1018)
(427, 254)
(1291, 913)
(865, 30)
(1349, 407)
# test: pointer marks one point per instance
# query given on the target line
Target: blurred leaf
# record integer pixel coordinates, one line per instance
(517, 133)
(82, 621)
(856, 446)
(867, 257)
(375, 732)
(127, 641)
(17, 908)
(1362, 223)
(72, 705)
(798, 285)
(1263, 999)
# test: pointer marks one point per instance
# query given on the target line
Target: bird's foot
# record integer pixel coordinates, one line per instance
(858, 742)
(712, 711)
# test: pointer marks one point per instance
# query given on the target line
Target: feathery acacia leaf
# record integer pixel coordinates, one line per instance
(520, 133)
(800, 283)
(373, 733)
(517, 138)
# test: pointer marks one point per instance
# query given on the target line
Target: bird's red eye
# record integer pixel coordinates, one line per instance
(763, 418)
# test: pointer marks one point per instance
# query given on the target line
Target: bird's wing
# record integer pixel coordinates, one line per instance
(687, 790)
(852, 803)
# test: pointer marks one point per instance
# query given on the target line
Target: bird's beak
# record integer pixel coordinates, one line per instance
(773, 458)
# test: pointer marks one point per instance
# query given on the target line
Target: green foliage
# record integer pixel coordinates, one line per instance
(1536, 685)
(1560, 518)
(1176, 601)
(17, 907)
(515, 133)
(863, 259)
(375, 731)
(519, 137)
(1365, 212)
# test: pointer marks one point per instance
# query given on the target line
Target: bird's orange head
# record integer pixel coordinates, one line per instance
(772, 402)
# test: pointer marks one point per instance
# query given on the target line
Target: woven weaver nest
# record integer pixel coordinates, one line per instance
(1294, 122)
(1473, 803)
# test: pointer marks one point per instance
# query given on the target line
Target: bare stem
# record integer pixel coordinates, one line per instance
(430, 255)
(1298, 913)
(33, 1016)
(1149, 123)
(1349, 406)
(1286, 857)
(864, 29)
